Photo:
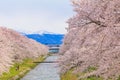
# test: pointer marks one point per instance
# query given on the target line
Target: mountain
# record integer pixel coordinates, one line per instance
(43, 32)
(16, 47)
(46, 38)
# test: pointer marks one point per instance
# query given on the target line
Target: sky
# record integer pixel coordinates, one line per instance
(35, 15)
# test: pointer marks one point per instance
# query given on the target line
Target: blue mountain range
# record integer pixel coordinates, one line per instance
(47, 38)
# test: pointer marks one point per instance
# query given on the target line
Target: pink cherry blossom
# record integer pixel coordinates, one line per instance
(93, 38)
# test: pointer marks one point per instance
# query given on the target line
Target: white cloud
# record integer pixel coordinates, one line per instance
(49, 15)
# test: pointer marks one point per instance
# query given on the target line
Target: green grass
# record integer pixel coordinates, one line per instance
(118, 78)
(92, 78)
(71, 76)
(20, 69)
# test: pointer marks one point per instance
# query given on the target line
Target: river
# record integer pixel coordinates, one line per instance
(44, 71)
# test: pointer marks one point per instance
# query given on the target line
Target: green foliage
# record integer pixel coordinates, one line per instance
(92, 78)
(90, 69)
(20, 69)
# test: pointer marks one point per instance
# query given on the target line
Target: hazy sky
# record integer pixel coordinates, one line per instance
(35, 15)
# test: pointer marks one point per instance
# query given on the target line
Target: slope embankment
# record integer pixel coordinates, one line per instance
(15, 48)
(92, 45)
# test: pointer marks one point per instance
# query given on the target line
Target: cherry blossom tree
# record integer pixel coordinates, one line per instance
(15, 47)
(93, 39)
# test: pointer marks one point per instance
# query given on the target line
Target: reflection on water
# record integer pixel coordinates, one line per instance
(44, 71)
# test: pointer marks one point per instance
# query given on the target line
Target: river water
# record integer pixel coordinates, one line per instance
(44, 71)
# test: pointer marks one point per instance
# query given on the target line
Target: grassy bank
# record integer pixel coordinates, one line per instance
(18, 70)
(75, 76)
(70, 76)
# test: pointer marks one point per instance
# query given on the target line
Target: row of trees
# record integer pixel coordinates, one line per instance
(93, 39)
(15, 47)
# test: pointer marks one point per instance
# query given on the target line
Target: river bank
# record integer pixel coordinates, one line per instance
(18, 70)
(44, 71)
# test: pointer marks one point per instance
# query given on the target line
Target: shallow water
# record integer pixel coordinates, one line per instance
(44, 71)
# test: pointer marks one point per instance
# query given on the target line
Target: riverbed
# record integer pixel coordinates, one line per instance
(45, 71)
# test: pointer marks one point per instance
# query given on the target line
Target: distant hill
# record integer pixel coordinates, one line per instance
(47, 38)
